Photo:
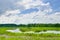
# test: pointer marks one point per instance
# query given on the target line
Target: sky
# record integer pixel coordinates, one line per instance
(29, 11)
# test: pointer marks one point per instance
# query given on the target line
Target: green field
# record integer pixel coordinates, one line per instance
(4, 35)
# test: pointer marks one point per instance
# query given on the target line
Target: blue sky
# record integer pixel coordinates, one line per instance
(29, 11)
(54, 3)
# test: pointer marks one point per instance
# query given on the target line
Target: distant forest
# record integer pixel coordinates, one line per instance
(30, 25)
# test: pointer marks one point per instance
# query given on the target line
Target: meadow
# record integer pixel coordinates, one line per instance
(4, 35)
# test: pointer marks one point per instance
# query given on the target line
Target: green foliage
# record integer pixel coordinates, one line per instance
(30, 25)
(4, 35)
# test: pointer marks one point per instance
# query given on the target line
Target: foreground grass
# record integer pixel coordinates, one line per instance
(30, 37)
(21, 36)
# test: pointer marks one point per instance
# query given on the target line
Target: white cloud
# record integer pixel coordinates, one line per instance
(31, 3)
(34, 17)
(55, 17)
(9, 16)
(12, 12)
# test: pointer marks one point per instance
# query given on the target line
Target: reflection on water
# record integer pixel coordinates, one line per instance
(19, 31)
(55, 32)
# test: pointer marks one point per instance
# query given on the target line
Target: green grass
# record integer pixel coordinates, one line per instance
(21, 36)
(38, 29)
(31, 37)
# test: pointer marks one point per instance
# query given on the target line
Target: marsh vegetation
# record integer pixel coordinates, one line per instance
(4, 35)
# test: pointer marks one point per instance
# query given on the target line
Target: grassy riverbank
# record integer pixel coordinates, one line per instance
(23, 29)
(4, 35)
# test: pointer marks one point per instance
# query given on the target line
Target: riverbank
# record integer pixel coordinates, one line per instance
(4, 35)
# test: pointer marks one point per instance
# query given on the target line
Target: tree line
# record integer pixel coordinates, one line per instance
(30, 25)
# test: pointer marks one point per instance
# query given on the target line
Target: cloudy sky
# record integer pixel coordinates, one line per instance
(29, 11)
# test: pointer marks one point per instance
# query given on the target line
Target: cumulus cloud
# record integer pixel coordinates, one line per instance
(11, 12)
(30, 11)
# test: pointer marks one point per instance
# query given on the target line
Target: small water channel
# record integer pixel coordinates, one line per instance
(41, 32)
(50, 31)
